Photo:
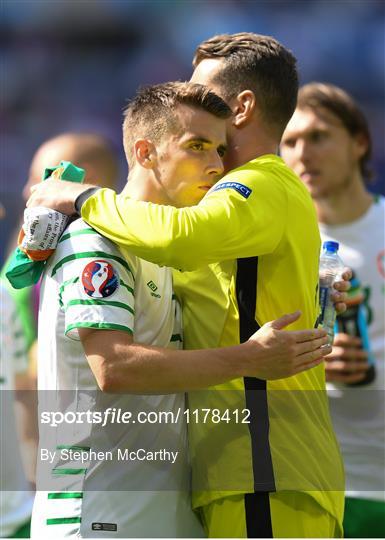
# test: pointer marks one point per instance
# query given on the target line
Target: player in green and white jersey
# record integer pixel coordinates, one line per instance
(91, 289)
(16, 496)
(89, 285)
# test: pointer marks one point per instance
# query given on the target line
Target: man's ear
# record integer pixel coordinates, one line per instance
(361, 144)
(145, 153)
(243, 108)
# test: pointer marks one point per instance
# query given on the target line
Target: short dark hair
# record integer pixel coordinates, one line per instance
(151, 113)
(318, 95)
(258, 63)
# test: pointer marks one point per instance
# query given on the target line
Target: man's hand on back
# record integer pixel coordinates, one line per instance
(281, 353)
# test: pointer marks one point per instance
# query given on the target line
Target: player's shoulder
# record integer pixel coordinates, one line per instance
(272, 174)
(251, 180)
(81, 237)
(80, 244)
(374, 217)
(379, 202)
(266, 167)
(78, 227)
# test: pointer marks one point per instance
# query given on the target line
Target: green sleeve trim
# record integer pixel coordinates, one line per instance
(91, 255)
(130, 289)
(74, 448)
(77, 233)
(60, 472)
(100, 326)
(66, 495)
(64, 285)
(176, 337)
(61, 521)
(76, 279)
(93, 302)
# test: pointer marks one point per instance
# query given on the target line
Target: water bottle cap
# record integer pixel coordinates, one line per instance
(331, 246)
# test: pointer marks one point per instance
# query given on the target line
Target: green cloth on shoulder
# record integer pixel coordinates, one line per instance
(21, 271)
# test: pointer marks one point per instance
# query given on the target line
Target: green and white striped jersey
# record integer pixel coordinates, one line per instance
(15, 495)
(88, 282)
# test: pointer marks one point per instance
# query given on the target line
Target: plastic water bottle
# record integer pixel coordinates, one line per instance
(331, 268)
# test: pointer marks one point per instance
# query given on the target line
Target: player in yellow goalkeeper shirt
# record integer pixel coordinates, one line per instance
(281, 474)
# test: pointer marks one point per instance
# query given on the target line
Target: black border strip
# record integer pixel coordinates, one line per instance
(257, 506)
(258, 518)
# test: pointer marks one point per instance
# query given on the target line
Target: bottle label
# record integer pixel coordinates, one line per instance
(323, 300)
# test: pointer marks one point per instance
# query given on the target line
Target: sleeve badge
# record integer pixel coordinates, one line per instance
(99, 279)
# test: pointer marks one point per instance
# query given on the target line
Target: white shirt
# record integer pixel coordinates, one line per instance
(358, 412)
(88, 283)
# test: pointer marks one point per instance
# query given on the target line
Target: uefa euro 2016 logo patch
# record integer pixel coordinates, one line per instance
(99, 279)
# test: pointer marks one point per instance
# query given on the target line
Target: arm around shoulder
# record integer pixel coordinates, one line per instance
(224, 225)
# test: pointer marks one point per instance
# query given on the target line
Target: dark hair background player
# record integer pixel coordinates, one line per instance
(328, 144)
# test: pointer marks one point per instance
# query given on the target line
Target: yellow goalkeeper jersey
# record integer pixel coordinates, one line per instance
(259, 222)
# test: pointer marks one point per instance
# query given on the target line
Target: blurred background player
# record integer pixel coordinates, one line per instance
(94, 154)
(90, 151)
(328, 144)
(98, 159)
(18, 441)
